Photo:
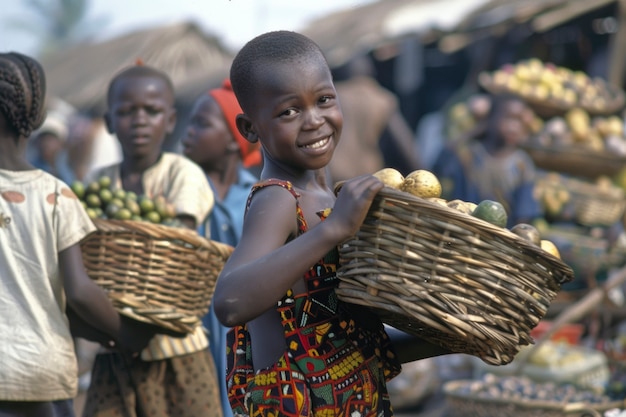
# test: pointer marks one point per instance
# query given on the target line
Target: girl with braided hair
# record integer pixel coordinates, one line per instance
(41, 269)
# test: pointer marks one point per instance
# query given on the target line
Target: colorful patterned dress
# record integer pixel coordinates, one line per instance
(336, 363)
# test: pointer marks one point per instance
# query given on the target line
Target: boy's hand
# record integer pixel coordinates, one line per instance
(135, 335)
(353, 202)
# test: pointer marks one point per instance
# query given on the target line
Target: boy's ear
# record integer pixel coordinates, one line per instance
(171, 121)
(244, 125)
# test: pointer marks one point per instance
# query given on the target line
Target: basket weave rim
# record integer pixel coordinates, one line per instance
(582, 152)
(566, 273)
(156, 231)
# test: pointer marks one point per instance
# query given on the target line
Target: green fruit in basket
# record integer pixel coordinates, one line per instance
(92, 213)
(146, 204)
(105, 181)
(105, 195)
(93, 200)
(152, 217)
(136, 218)
(123, 214)
(492, 212)
(132, 195)
(78, 188)
(528, 232)
(93, 187)
(119, 194)
(111, 210)
(132, 205)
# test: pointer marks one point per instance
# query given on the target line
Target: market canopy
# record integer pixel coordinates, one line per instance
(193, 60)
(497, 16)
(347, 33)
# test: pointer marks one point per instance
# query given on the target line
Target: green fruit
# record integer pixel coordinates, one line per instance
(132, 195)
(104, 181)
(93, 200)
(136, 218)
(153, 217)
(78, 188)
(132, 205)
(92, 213)
(146, 204)
(106, 195)
(119, 193)
(117, 202)
(492, 212)
(528, 232)
(93, 187)
(123, 214)
(111, 210)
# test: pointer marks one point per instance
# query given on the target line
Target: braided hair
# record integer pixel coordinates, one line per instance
(22, 92)
(275, 47)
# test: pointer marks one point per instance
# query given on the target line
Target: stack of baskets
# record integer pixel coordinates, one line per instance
(448, 277)
(155, 273)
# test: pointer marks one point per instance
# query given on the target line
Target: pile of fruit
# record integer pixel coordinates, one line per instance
(424, 184)
(102, 201)
(522, 388)
(578, 128)
(556, 86)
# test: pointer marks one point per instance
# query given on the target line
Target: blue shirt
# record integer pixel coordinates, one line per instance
(225, 222)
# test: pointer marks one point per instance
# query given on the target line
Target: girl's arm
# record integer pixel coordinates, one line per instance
(89, 303)
(266, 263)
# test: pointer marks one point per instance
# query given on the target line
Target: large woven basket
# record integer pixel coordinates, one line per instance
(589, 204)
(576, 160)
(154, 273)
(449, 277)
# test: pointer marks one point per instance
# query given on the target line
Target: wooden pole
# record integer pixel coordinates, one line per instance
(618, 47)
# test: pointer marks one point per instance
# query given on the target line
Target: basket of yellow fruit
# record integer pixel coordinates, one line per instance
(553, 90)
(450, 272)
(152, 268)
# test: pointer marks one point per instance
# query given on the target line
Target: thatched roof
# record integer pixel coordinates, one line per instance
(193, 59)
(347, 33)
(498, 16)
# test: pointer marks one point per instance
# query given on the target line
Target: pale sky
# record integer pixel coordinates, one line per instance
(234, 21)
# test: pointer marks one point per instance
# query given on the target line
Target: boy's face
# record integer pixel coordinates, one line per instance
(296, 113)
(208, 138)
(141, 114)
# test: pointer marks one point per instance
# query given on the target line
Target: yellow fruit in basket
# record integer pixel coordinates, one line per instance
(153, 217)
(422, 183)
(390, 177)
(462, 206)
(550, 247)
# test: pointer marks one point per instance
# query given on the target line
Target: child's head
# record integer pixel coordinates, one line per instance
(212, 132)
(285, 88)
(22, 93)
(506, 126)
(141, 110)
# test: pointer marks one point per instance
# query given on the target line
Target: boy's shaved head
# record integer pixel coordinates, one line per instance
(267, 49)
(140, 71)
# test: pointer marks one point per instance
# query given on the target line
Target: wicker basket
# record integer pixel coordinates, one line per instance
(154, 273)
(449, 277)
(589, 204)
(462, 403)
(575, 160)
(550, 108)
